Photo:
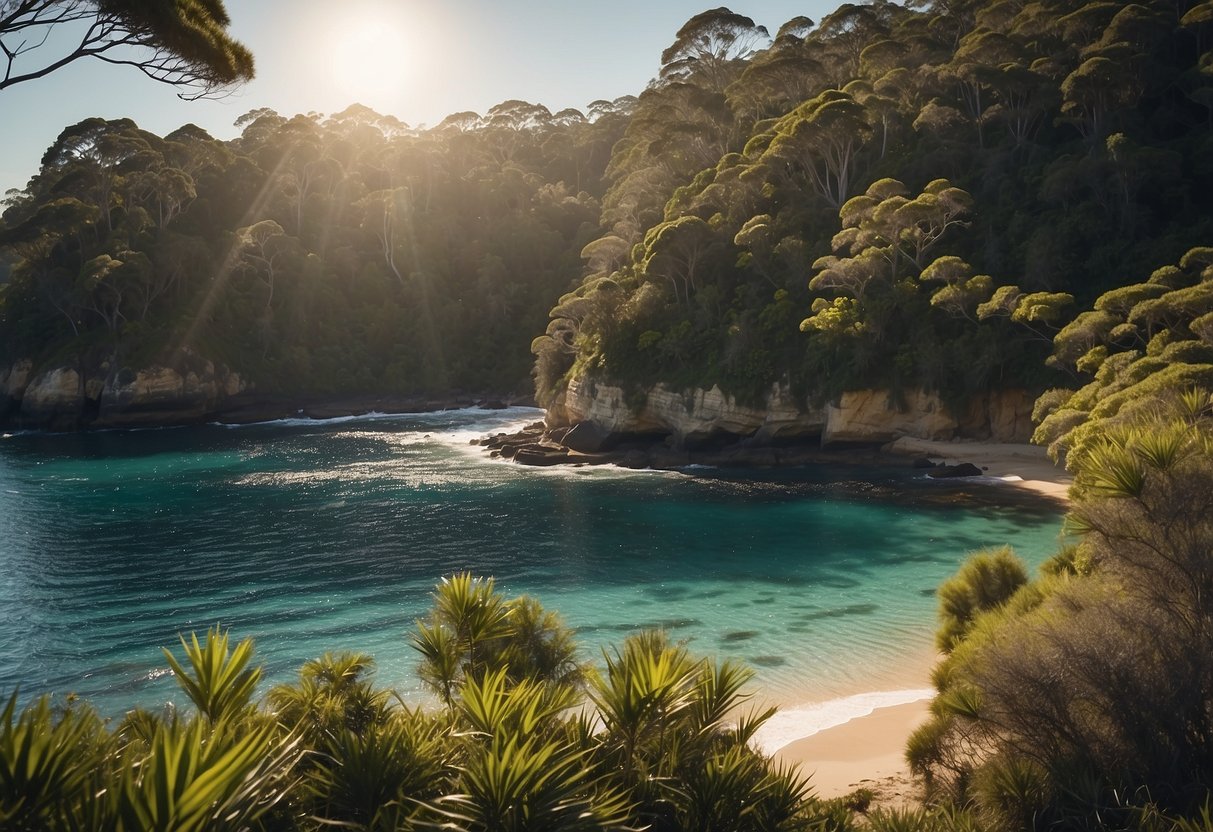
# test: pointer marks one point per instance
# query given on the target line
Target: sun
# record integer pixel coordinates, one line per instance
(374, 60)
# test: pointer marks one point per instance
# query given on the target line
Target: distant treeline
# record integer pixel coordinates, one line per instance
(339, 254)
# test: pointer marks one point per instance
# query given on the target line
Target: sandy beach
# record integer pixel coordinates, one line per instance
(1023, 466)
(867, 752)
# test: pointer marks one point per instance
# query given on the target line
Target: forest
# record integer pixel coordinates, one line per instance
(893, 197)
(913, 196)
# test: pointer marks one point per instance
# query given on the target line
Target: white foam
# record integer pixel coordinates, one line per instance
(792, 724)
(307, 421)
(487, 420)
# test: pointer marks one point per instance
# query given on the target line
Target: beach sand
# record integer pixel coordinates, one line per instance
(867, 752)
(1023, 466)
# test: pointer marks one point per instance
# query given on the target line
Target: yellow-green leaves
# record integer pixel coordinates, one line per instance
(46, 761)
(218, 680)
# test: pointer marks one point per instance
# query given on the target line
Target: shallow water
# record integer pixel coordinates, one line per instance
(327, 536)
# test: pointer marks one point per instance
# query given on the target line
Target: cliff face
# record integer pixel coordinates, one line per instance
(64, 398)
(859, 416)
(692, 418)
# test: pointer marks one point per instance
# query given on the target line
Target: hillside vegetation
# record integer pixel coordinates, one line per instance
(898, 196)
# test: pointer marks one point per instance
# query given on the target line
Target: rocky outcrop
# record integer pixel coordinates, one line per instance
(1007, 417)
(164, 395)
(691, 419)
(13, 381)
(599, 415)
(67, 397)
(867, 416)
(54, 398)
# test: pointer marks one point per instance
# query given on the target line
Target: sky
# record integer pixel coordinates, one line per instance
(418, 60)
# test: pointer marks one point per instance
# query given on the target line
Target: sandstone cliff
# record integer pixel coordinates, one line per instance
(67, 397)
(699, 416)
(692, 418)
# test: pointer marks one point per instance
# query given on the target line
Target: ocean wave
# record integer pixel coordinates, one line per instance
(791, 724)
(483, 420)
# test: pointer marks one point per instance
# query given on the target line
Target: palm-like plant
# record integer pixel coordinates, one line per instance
(668, 735)
(48, 763)
(379, 779)
(200, 775)
(540, 646)
(648, 684)
(333, 695)
(472, 630)
(219, 680)
(490, 705)
(466, 628)
(512, 784)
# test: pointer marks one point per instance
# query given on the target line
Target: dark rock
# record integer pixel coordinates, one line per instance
(922, 462)
(740, 456)
(964, 469)
(508, 451)
(557, 434)
(635, 459)
(492, 404)
(586, 438)
(540, 456)
(664, 457)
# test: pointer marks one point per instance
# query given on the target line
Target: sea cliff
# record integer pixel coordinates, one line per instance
(698, 417)
(111, 395)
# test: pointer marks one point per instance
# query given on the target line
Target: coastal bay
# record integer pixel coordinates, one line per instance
(320, 535)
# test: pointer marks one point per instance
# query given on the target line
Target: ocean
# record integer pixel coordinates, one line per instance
(314, 536)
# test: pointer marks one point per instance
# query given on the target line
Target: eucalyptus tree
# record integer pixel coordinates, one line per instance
(710, 48)
(842, 36)
(185, 43)
(777, 79)
(1139, 341)
(821, 142)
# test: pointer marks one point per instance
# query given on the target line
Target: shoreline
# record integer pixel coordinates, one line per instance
(1021, 466)
(856, 739)
(867, 751)
(859, 741)
(791, 726)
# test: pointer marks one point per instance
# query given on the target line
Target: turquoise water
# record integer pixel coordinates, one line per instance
(325, 536)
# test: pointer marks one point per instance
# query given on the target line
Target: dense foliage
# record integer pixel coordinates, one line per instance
(1085, 697)
(340, 254)
(512, 746)
(898, 195)
(1141, 341)
(1041, 151)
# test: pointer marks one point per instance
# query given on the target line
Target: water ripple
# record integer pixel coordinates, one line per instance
(323, 536)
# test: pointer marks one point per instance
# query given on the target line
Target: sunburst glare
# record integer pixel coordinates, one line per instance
(376, 58)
